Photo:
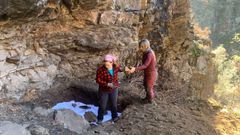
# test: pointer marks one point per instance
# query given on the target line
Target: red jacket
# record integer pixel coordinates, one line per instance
(103, 77)
(149, 67)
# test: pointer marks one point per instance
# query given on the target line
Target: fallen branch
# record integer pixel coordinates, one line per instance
(18, 70)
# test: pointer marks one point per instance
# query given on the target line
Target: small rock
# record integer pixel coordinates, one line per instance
(13, 60)
(109, 17)
(3, 54)
(164, 115)
(9, 128)
(38, 130)
(42, 111)
(74, 105)
(71, 121)
(90, 116)
(131, 4)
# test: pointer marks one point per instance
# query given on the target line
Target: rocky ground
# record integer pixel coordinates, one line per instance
(163, 118)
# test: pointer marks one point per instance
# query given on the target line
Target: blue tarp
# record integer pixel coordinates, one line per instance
(81, 108)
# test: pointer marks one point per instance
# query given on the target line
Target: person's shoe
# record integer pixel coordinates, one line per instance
(115, 119)
(99, 122)
(152, 102)
(144, 100)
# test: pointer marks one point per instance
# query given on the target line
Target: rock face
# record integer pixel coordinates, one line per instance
(35, 54)
(218, 20)
(46, 43)
(223, 18)
(167, 25)
(15, 8)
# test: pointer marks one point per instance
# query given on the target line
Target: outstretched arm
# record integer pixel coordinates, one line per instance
(123, 69)
(146, 62)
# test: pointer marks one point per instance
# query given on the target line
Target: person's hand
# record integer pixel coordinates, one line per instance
(110, 85)
(133, 69)
(127, 70)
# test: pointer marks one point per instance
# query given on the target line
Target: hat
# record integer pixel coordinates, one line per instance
(109, 58)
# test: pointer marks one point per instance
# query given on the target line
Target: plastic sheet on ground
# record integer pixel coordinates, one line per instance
(81, 108)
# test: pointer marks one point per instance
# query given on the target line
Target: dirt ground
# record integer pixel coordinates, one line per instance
(184, 117)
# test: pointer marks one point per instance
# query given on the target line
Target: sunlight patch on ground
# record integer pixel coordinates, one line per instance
(227, 124)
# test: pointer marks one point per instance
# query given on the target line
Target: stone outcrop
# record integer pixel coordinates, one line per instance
(47, 43)
(59, 43)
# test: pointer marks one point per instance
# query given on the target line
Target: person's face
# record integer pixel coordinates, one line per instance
(108, 64)
(142, 48)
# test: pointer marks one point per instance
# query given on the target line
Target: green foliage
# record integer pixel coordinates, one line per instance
(232, 44)
(221, 57)
(228, 66)
(197, 49)
(236, 38)
(236, 111)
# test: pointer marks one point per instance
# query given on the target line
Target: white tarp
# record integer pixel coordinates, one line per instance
(76, 107)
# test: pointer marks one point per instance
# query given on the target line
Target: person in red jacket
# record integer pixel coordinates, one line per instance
(107, 78)
(149, 68)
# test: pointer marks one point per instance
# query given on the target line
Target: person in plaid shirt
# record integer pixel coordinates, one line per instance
(107, 78)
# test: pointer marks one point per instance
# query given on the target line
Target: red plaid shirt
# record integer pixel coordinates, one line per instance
(103, 77)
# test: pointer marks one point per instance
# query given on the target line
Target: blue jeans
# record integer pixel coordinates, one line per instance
(103, 100)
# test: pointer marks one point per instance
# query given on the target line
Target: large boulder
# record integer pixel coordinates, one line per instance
(10, 128)
(71, 121)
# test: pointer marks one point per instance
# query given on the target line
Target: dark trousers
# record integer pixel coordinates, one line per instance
(103, 101)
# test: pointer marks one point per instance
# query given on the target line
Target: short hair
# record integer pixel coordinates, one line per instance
(144, 42)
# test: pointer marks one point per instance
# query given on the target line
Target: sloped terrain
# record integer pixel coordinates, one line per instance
(184, 117)
(50, 49)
